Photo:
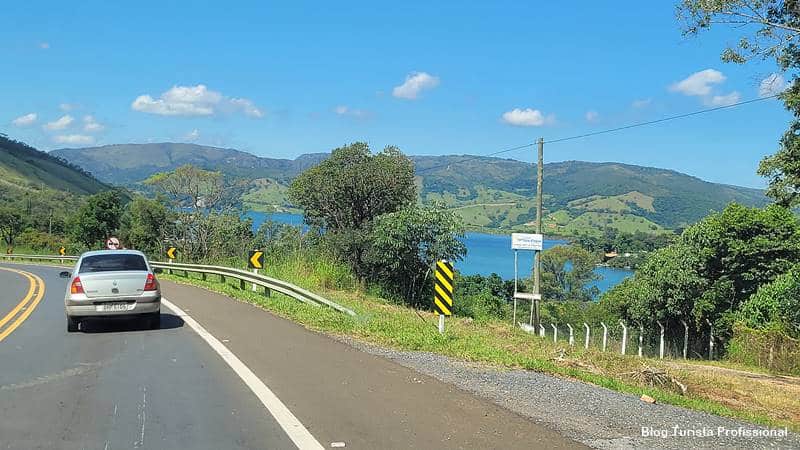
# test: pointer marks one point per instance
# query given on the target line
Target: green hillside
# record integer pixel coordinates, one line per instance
(23, 169)
(489, 193)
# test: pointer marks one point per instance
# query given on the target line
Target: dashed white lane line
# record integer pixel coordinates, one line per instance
(296, 431)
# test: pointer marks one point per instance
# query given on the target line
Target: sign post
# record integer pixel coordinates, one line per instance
(256, 261)
(171, 254)
(443, 291)
(112, 243)
(63, 252)
(527, 242)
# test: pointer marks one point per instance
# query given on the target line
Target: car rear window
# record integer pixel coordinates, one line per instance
(112, 263)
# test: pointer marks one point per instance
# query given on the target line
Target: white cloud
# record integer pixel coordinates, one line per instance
(723, 100)
(44, 45)
(772, 85)
(592, 116)
(192, 136)
(415, 83)
(66, 107)
(26, 120)
(527, 118)
(642, 102)
(343, 110)
(90, 125)
(698, 83)
(63, 122)
(74, 139)
(193, 101)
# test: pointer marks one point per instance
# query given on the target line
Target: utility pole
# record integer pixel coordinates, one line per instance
(537, 266)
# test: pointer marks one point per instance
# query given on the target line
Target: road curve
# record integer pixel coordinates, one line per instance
(119, 386)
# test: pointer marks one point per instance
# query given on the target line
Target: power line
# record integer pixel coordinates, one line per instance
(610, 130)
(519, 147)
(664, 119)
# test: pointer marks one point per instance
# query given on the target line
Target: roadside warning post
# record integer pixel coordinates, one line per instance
(256, 261)
(172, 253)
(62, 251)
(443, 291)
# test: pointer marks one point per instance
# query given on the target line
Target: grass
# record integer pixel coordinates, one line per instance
(498, 344)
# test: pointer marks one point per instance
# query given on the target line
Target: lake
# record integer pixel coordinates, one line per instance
(486, 253)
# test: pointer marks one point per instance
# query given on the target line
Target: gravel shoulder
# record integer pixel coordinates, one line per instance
(589, 414)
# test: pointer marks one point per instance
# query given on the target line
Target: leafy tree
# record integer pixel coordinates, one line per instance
(11, 224)
(345, 193)
(715, 266)
(775, 304)
(566, 270)
(406, 245)
(98, 218)
(143, 225)
(190, 187)
(771, 29)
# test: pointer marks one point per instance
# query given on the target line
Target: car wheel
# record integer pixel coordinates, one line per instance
(72, 324)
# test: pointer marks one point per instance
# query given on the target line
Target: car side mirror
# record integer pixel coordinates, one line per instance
(65, 274)
(158, 270)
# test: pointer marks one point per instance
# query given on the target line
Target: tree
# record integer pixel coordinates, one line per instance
(715, 266)
(190, 186)
(566, 270)
(345, 193)
(771, 29)
(406, 245)
(98, 218)
(775, 304)
(11, 224)
(143, 225)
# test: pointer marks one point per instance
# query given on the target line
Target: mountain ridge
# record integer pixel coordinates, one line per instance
(580, 196)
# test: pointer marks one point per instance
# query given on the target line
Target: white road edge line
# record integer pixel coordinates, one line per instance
(298, 433)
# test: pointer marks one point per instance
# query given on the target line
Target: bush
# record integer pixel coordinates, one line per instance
(769, 348)
(775, 305)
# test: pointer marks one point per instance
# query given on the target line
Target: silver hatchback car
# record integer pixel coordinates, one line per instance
(112, 283)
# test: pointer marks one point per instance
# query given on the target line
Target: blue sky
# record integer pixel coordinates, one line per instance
(441, 77)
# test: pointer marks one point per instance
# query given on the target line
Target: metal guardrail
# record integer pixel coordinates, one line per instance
(269, 284)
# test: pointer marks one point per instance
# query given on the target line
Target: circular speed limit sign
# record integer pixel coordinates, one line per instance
(112, 243)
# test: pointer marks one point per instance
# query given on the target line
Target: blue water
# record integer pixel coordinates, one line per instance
(486, 253)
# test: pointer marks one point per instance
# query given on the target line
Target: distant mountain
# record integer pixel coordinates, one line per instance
(24, 169)
(131, 163)
(492, 193)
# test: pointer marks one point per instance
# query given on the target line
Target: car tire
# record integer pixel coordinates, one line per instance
(72, 324)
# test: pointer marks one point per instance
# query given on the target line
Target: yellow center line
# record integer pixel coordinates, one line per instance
(37, 284)
(27, 297)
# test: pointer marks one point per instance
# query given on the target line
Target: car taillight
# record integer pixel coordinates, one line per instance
(151, 284)
(76, 287)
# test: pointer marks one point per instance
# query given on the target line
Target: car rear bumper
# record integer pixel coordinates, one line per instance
(91, 309)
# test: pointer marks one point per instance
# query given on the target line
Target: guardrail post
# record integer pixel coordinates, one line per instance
(710, 340)
(241, 284)
(586, 339)
(203, 275)
(555, 332)
(641, 332)
(685, 338)
(222, 278)
(624, 337)
(605, 335)
(571, 337)
(661, 341)
(267, 291)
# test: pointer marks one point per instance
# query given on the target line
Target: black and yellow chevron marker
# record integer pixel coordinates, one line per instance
(443, 288)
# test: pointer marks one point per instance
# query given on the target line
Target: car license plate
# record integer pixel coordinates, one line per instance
(113, 307)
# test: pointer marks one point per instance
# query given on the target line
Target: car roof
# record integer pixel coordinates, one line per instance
(112, 252)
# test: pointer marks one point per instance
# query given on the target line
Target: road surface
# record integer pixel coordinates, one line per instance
(118, 386)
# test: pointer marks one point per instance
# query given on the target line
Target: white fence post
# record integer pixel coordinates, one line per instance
(710, 340)
(605, 335)
(541, 330)
(571, 336)
(624, 337)
(555, 332)
(586, 339)
(641, 332)
(685, 338)
(661, 341)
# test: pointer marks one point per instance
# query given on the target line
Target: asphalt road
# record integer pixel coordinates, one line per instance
(116, 385)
